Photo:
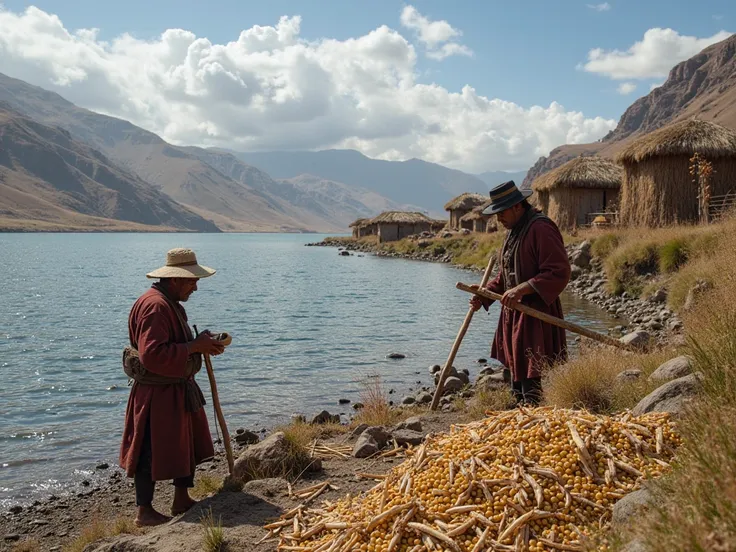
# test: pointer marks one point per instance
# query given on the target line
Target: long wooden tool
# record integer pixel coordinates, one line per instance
(458, 340)
(549, 318)
(225, 339)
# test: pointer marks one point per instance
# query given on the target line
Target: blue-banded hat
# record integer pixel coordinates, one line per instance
(504, 196)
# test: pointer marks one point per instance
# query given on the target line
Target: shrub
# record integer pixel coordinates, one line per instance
(673, 254)
(604, 245)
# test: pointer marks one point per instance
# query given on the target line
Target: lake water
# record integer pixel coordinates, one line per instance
(307, 324)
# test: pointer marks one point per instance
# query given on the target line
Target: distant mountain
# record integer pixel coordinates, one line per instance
(215, 185)
(56, 182)
(704, 86)
(427, 185)
(494, 178)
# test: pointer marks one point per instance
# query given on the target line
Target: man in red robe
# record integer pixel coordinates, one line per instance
(534, 270)
(166, 433)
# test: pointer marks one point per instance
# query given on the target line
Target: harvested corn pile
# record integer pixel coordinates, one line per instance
(533, 480)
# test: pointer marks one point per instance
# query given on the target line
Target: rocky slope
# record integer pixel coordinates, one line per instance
(704, 86)
(48, 177)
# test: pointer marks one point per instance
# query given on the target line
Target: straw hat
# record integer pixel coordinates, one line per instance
(181, 263)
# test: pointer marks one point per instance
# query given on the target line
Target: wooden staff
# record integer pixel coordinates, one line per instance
(460, 335)
(225, 339)
(549, 318)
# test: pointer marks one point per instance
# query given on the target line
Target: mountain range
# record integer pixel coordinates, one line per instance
(703, 86)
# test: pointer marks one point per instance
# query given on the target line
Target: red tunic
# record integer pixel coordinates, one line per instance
(179, 439)
(522, 343)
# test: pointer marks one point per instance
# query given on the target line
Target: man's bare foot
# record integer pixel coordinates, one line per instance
(182, 501)
(148, 517)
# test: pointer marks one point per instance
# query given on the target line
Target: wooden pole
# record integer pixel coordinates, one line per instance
(549, 318)
(220, 416)
(460, 335)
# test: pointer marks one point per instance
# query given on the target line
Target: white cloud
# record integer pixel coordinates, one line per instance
(605, 6)
(626, 88)
(436, 36)
(651, 57)
(271, 89)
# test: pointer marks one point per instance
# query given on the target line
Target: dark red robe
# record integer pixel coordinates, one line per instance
(522, 343)
(179, 439)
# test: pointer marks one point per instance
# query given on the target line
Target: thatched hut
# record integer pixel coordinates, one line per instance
(657, 187)
(396, 225)
(581, 186)
(363, 227)
(461, 206)
(476, 221)
(356, 225)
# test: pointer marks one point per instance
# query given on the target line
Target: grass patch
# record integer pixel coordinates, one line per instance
(28, 545)
(303, 434)
(213, 539)
(603, 246)
(376, 409)
(625, 266)
(487, 400)
(206, 485)
(102, 529)
(589, 381)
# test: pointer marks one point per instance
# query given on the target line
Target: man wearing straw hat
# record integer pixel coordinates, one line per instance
(166, 433)
(533, 270)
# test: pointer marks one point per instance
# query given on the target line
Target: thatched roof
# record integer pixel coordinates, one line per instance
(359, 222)
(590, 171)
(465, 201)
(683, 138)
(402, 217)
(477, 212)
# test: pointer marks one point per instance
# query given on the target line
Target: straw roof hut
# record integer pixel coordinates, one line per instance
(363, 227)
(581, 186)
(397, 225)
(461, 206)
(476, 221)
(657, 187)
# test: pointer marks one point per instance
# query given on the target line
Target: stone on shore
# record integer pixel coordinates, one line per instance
(413, 424)
(408, 400)
(275, 456)
(491, 381)
(408, 437)
(672, 369)
(379, 434)
(434, 369)
(453, 385)
(424, 397)
(365, 446)
(325, 417)
(396, 356)
(638, 339)
(245, 437)
(674, 396)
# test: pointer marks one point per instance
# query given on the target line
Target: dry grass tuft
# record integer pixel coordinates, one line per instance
(206, 485)
(376, 410)
(101, 529)
(214, 538)
(487, 400)
(28, 545)
(589, 381)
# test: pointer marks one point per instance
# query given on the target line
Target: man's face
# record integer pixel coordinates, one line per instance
(184, 287)
(509, 217)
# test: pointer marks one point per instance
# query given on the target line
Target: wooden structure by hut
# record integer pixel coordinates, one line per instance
(581, 186)
(461, 206)
(397, 225)
(363, 227)
(657, 187)
(476, 221)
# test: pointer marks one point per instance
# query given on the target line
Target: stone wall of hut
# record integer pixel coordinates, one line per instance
(660, 191)
(455, 216)
(398, 231)
(569, 207)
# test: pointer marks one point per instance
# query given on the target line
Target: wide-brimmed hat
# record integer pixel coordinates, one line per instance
(504, 196)
(181, 263)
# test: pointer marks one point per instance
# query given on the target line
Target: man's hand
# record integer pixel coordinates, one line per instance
(512, 297)
(475, 301)
(206, 344)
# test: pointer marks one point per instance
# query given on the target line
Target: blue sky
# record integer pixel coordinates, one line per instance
(530, 53)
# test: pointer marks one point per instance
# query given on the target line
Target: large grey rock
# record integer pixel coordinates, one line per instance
(673, 369)
(435, 368)
(424, 397)
(453, 385)
(266, 459)
(492, 381)
(408, 437)
(325, 417)
(414, 424)
(378, 433)
(581, 255)
(463, 377)
(245, 437)
(631, 505)
(452, 373)
(365, 446)
(673, 396)
(638, 339)
(659, 296)
(408, 400)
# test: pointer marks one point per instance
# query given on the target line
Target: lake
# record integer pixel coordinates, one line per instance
(308, 326)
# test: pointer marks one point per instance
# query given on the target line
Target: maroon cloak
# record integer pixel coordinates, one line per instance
(179, 439)
(522, 343)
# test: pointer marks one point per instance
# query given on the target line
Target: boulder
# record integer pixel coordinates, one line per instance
(358, 430)
(671, 397)
(434, 369)
(269, 459)
(463, 377)
(638, 339)
(581, 257)
(673, 369)
(633, 504)
(453, 385)
(365, 446)
(413, 424)
(424, 397)
(396, 356)
(408, 437)
(629, 375)
(659, 296)
(491, 381)
(408, 400)
(244, 437)
(379, 434)
(452, 373)
(325, 417)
